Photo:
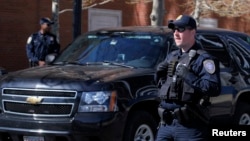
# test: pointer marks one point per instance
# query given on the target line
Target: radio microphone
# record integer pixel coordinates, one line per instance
(191, 54)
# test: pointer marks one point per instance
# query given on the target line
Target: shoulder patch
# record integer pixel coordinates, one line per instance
(209, 66)
(29, 40)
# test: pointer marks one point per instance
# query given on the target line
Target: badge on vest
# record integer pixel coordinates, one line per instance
(209, 66)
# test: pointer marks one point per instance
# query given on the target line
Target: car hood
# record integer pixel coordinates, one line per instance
(68, 76)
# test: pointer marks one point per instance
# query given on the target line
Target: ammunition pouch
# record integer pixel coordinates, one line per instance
(171, 68)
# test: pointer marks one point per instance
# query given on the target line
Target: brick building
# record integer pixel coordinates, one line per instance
(20, 18)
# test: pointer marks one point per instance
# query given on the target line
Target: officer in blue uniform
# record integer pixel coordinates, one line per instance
(187, 78)
(41, 44)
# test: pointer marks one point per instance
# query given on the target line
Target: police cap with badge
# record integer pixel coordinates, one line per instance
(182, 21)
(46, 20)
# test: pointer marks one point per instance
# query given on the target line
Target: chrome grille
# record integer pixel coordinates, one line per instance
(38, 93)
(53, 103)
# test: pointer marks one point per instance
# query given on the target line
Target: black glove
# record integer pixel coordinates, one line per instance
(159, 78)
(182, 71)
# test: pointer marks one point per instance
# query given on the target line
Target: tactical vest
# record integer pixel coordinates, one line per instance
(174, 87)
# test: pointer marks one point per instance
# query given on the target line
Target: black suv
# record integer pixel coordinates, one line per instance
(101, 87)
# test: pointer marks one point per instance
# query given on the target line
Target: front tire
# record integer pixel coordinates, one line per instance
(242, 114)
(141, 126)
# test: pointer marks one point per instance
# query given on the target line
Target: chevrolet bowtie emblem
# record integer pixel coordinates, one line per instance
(34, 100)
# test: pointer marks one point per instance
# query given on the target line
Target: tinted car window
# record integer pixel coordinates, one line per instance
(245, 39)
(241, 54)
(215, 46)
(133, 49)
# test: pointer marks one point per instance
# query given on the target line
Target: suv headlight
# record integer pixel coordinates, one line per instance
(101, 101)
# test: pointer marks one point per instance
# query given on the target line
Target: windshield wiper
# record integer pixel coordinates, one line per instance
(66, 63)
(118, 64)
(92, 63)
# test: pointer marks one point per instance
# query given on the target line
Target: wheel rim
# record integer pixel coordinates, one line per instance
(244, 119)
(144, 133)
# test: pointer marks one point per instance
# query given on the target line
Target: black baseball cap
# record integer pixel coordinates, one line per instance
(46, 20)
(183, 21)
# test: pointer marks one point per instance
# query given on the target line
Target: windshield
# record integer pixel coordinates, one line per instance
(126, 48)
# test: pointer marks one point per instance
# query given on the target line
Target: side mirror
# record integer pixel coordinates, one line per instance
(3, 71)
(50, 58)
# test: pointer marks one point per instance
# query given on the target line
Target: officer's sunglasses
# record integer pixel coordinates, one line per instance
(180, 29)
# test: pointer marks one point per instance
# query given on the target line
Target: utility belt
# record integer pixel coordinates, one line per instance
(181, 114)
(184, 115)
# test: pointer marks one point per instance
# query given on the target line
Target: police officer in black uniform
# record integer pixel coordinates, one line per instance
(187, 78)
(41, 44)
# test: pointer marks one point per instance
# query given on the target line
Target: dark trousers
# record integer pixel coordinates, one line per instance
(193, 131)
